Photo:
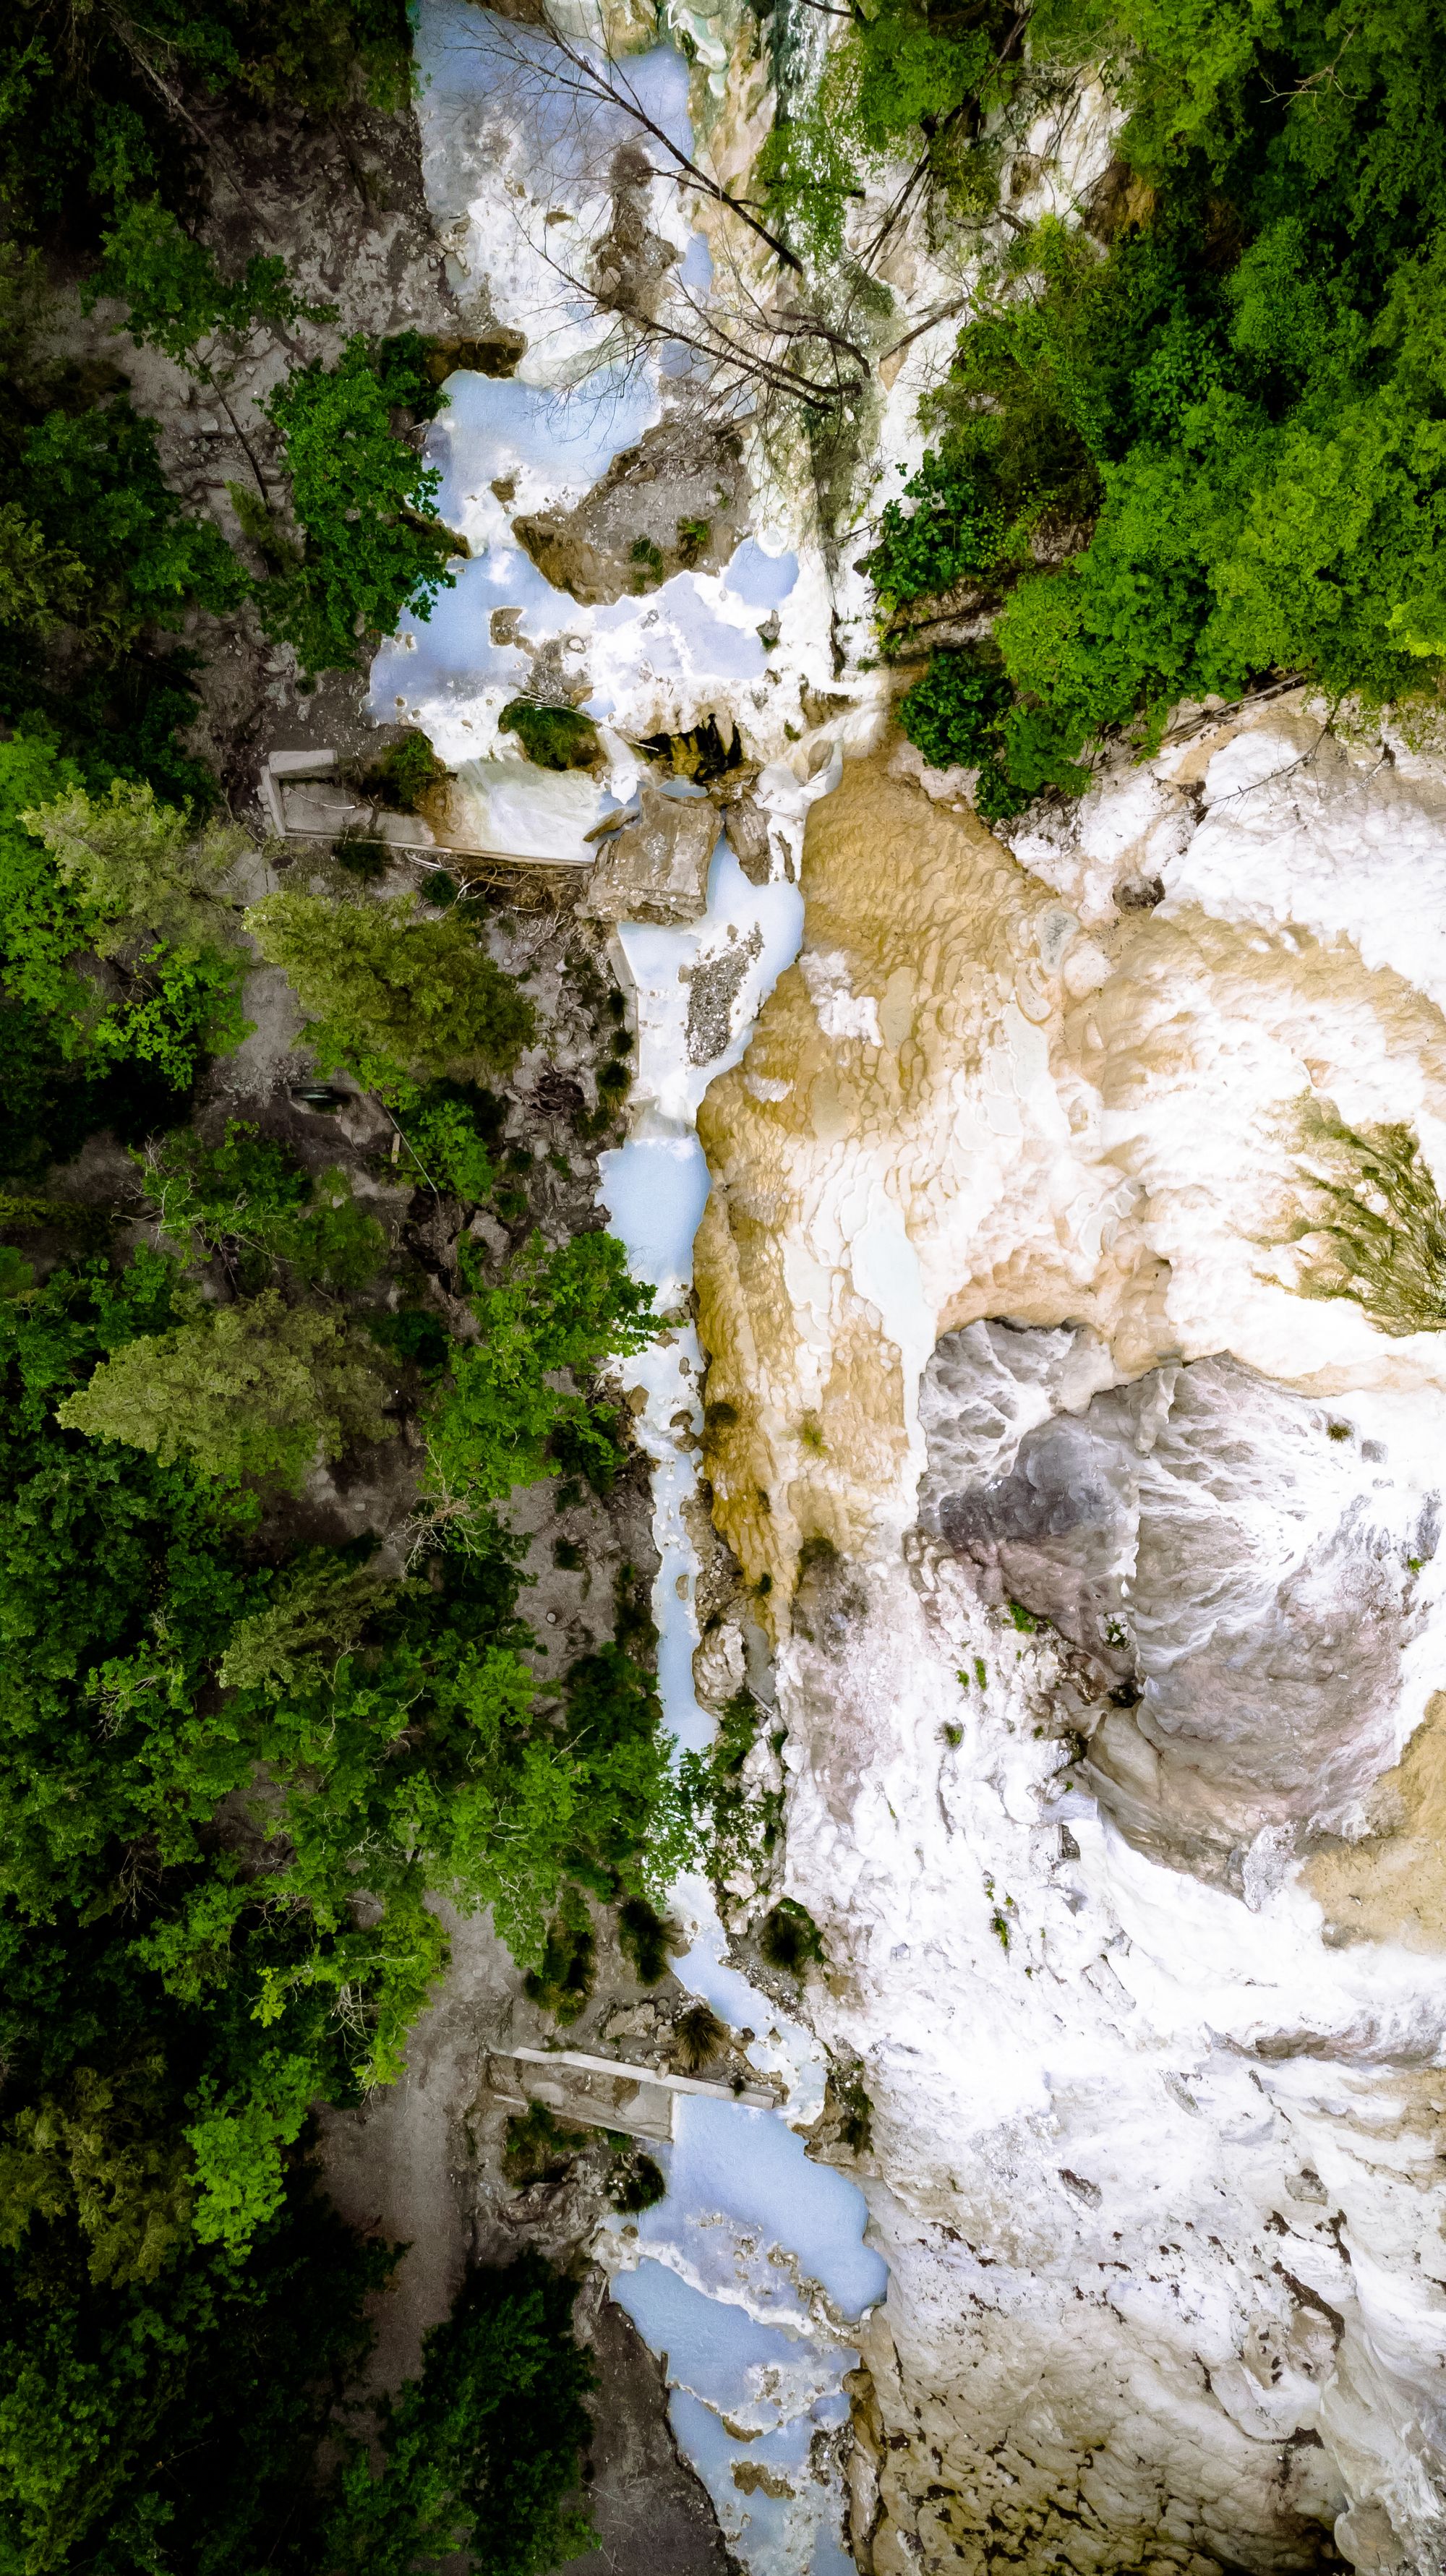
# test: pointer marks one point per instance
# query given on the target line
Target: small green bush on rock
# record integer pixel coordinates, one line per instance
(553, 737)
(790, 1939)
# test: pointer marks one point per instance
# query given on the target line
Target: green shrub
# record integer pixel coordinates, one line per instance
(956, 713)
(390, 994)
(416, 1335)
(698, 2035)
(553, 737)
(258, 1391)
(93, 482)
(396, 1725)
(175, 2394)
(563, 1979)
(482, 2453)
(643, 1938)
(336, 1244)
(623, 1829)
(97, 555)
(84, 487)
(789, 1938)
(76, 874)
(359, 854)
(585, 1447)
(240, 1193)
(955, 532)
(1375, 1226)
(647, 560)
(94, 115)
(737, 1828)
(451, 1131)
(808, 176)
(404, 774)
(539, 2146)
(636, 2183)
(313, 1615)
(365, 501)
(553, 1313)
(175, 295)
(901, 78)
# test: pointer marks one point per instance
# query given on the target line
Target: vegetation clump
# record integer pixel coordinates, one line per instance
(249, 1199)
(954, 533)
(565, 1974)
(480, 2455)
(504, 1419)
(643, 1935)
(238, 1764)
(737, 1824)
(852, 2106)
(698, 2035)
(452, 1130)
(405, 775)
(539, 2147)
(552, 737)
(646, 558)
(789, 1938)
(1188, 443)
(636, 2183)
(701, 753)
(907, 74)
(1376, 1228)
(392, 995)
(365, 502)
(257, 1391)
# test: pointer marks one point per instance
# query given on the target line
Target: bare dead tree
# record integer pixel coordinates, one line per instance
(598, 80)
(745, 351)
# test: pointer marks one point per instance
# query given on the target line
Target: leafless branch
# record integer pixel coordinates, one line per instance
(941, 313)
(605, 83)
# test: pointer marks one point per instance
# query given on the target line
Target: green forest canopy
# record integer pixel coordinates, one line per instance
(214, 1742)
(233, 1767)
(1216, 409)
(107, 125)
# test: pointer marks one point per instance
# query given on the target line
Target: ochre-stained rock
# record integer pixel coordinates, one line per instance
(954, 1107)
(1154, 2131)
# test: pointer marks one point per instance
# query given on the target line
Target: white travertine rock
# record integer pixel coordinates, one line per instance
(1130, 1894)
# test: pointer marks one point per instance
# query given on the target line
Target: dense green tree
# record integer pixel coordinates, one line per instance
(364, 500)
(1230, 417)
(554, 1313)
(258, 1390)
(480, 2453)
(391, 993)
(137, 870)
(99, 108)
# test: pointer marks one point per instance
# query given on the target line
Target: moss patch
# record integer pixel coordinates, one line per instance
(553, 737)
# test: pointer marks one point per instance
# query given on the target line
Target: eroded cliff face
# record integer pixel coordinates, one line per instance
(1102, 1566)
